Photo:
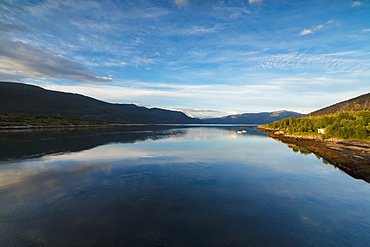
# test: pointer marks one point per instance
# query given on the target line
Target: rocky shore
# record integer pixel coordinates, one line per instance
(352, 157)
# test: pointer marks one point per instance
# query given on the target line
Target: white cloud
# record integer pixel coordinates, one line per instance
(116, 36)
(19, 60)
(305, 32)
(315, 28)
(223, 97)
(303, 94)
(312, 30)
(202, 113)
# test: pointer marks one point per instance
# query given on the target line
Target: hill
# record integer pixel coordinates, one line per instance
(24, 98)
(253, 118)
(348, 119)
(360, 103)
(344, 125)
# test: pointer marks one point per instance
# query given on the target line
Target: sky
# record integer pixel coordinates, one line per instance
(207, 58)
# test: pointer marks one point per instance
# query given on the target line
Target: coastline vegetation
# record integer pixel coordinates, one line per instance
(343, 125)
(11, 119)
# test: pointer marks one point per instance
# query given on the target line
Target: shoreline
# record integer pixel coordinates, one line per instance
(350, 156)
(35, 127)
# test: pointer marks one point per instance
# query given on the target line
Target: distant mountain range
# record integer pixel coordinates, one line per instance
(253, 118)
(19, 97)
(360, 103)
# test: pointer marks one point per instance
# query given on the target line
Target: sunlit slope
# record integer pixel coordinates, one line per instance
(348, 119)
(360, 103)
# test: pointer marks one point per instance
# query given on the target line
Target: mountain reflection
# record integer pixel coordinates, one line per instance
(15, 145)
(31, 144)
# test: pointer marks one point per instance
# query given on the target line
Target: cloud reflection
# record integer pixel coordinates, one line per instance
(201, 185)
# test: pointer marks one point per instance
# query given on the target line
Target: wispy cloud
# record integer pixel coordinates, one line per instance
(230, 12)
(356, 4)
(25, 61)
(7, 28)
(313, 29)
(181, 3)
(140, 61)
(190, 53)
(203, 30)
(91, 26)
(351, 62)
(254, 1)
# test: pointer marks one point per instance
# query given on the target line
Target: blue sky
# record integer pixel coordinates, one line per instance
(203, 57)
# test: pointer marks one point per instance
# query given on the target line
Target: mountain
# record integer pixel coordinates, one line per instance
(253, 118)
(360, 103)
(19, 97)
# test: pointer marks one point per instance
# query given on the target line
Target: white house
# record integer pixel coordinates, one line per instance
(321, 131)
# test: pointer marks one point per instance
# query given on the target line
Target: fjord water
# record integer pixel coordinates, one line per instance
(173, 186)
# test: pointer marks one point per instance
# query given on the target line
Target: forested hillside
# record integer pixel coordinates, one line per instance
(8, 119)
(345, 125)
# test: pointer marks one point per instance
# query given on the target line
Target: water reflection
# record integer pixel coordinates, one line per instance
(301, 150)
(37, 143)
(177, 187)
(30, 144)
(305, 151)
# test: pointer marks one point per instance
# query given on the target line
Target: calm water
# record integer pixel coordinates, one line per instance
(173, 186)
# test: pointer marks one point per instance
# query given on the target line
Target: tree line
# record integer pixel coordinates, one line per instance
(25, 119)
(344, 125)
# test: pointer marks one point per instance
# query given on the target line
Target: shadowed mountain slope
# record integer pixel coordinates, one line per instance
(19, 97)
